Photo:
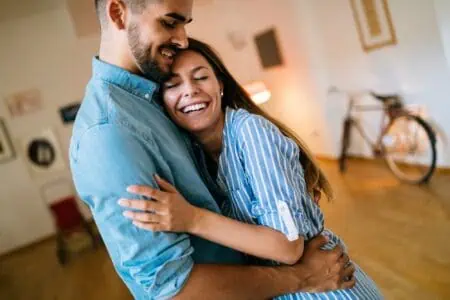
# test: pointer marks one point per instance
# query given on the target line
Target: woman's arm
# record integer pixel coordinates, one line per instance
(256, 240)
(171, 212)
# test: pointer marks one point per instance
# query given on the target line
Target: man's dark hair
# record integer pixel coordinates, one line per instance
(136, 7)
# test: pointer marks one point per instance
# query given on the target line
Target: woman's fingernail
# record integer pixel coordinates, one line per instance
(123, 202)
(157, 176)
(127, 214)
(133, 189)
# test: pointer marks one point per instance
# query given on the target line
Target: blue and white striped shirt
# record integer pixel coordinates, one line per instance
(260, 170)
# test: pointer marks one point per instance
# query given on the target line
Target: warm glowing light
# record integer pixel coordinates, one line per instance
(258, 91)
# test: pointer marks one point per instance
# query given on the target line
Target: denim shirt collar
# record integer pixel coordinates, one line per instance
(130, 82)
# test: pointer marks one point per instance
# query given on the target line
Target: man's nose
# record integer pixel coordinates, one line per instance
(180, 38)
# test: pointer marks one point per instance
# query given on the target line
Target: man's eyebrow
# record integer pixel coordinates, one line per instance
(178, 17)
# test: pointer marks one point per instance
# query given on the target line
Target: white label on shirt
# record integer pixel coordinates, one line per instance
(286, 216)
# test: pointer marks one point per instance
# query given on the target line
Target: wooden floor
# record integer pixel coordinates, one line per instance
(399, 234)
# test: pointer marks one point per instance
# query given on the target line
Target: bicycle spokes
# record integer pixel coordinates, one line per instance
(409, 149)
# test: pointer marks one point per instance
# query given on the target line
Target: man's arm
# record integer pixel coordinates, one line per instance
(318, 271)
(105, 161)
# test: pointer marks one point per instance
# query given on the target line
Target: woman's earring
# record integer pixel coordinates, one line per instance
(221, 93)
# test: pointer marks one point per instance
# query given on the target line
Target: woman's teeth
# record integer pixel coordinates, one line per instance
(194, 107)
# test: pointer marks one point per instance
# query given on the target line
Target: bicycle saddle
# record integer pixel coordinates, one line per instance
(385, 98)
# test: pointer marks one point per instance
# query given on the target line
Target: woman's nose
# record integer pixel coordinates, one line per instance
(190, 90)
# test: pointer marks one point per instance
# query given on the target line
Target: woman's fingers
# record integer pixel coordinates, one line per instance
(142, 217)
(144, 205)
(164, 185)
(147, 192)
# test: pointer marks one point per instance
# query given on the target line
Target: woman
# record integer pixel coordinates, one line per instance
(267, 172)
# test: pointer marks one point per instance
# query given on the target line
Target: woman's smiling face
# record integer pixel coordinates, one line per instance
(192, 96)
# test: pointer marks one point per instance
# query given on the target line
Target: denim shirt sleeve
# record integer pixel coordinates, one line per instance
(271, 164)
(106, 160)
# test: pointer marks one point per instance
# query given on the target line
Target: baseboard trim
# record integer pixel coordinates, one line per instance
(28, 246)
(37, 242)
(441, 170)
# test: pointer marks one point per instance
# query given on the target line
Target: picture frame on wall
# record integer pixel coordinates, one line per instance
(69, 112)
(374, 24)
(269, 50)
(24, 102)
(7, 152)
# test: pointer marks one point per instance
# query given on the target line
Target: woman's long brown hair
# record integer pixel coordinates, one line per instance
(236, 97)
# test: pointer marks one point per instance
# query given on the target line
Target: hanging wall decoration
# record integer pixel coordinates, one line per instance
(69, 113)
(7, 152)
(374, 24)
(268, 49)
(24, 102)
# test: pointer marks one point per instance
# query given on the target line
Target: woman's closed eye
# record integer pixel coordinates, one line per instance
(169, 85)
(200, 78)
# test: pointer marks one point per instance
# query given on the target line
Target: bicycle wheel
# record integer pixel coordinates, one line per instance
(409, 148)
(345, 143)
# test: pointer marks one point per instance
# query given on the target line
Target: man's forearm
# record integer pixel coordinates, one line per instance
(242, 282)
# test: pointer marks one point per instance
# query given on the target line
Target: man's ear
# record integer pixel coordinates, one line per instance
(117, 13)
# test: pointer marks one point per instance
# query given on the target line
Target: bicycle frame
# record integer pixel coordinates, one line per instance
(388, 112)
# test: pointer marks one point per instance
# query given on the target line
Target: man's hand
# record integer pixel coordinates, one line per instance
(327, 269)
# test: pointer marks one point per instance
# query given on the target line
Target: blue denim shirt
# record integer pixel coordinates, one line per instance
(121, 137)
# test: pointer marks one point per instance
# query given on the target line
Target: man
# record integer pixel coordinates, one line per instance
(122, 137)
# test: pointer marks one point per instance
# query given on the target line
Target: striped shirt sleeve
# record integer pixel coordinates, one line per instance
(273, 171)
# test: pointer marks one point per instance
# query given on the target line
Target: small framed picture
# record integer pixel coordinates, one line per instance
(7, 152)
(269, 49)
(374, 24)
(69, 113)
(24, 102)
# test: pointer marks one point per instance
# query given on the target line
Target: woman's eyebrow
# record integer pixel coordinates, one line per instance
(198, 68)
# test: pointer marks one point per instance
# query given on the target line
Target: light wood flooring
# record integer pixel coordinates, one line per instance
(399, 234)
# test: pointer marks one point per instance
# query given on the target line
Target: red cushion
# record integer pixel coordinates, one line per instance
(66, 213)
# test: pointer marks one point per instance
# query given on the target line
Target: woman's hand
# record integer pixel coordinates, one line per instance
(167, 211)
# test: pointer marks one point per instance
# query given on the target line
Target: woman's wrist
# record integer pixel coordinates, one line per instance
(197, 219)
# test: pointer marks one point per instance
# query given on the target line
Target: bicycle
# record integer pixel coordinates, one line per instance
(406, 141)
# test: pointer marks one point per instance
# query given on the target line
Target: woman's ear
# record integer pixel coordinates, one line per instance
(117, 12)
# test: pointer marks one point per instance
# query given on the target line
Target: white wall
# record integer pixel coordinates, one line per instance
(38, 51)
(293, 85)
(417, 67)
(443, 18)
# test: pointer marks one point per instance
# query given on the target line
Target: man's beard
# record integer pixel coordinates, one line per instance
(142, 55)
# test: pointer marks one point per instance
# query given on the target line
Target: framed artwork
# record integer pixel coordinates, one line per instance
(7, 152)
(374, 24)
(42, 153)
(24, 102)
(69, 113)
(268, 49)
